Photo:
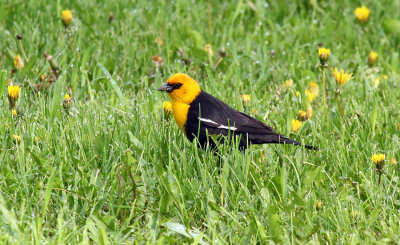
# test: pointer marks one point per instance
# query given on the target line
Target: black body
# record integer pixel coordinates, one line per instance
(217, 118)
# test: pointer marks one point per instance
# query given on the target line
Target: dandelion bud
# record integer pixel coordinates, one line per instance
(296, 125)
(111, 17)
(312, 3)
(19, 37)
(209, 50)
(167, 107)
(354, 214)
(157, 61)
(262, 157)
(66, 17)
(67, 102)
(17, 138)
(18, 62)
(53, 65)
(13, 94)
(159, 41)
(246, 99)
(372, 58)
(222, 53)
(309, 112)
(362, 14)
(318, 205)
(323, 55)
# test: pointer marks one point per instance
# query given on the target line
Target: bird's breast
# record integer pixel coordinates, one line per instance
(180, 111)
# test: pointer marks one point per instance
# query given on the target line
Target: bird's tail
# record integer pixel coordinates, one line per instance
(280, 139)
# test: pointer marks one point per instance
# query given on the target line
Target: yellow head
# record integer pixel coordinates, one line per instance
(181, 88)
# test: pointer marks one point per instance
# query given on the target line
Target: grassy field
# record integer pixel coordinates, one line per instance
(112, 170)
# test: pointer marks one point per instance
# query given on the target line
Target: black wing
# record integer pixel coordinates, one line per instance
(214, 113)
(208, 114)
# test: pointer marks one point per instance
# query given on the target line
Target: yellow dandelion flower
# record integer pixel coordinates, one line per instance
(288, 83)
(208, 49)
(159, 41)
(14, 91)
(297, 93)
(310, 95)
(319, 205)
(323, 54)
(13, 94)
(313, 87)
(393, 161)
(167, 107)
(67, 97)
(362, 13)
(18, 62)
(341, 77)
(17, 138)
(14, 113)
(372, 58)
(378, 159)
(66, 17)
(43, 76)
(246, 99)
(377, 80)
(302, 115)
(296, 125)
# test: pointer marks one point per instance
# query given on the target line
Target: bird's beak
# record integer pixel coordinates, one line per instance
(166, 87)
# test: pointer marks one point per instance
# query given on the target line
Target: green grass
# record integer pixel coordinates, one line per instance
(114, 171)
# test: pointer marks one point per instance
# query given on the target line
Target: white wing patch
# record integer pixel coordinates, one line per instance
(208, 120)
(226, 127)
(217, 124)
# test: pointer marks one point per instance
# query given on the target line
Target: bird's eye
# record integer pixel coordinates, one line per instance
(177, 85)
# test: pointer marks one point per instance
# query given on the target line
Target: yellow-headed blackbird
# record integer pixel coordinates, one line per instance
(200, 115)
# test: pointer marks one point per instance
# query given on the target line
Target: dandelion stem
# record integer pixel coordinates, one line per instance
(73, 46)
(340, 107)
(13, 71)
(324, 89)
(209, 17)
(68, 33)
(218, 62)
(380, 175)
(23, 50)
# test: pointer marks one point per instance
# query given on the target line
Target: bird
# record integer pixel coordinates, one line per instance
(200, 116)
